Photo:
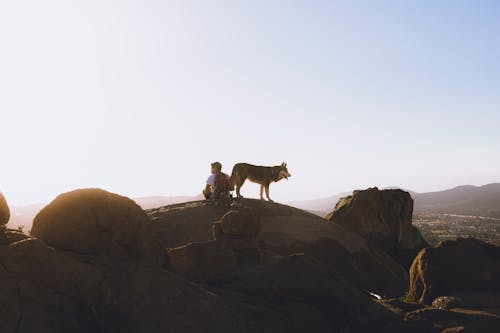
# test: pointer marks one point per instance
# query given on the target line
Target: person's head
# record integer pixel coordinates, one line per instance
(216, 167)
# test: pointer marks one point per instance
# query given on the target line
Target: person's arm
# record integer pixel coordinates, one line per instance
(208, 188)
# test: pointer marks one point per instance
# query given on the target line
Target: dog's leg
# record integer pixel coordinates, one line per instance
(261, 192)
(267, 193)
(239, 184)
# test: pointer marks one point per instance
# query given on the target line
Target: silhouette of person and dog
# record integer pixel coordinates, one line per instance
(220, 185)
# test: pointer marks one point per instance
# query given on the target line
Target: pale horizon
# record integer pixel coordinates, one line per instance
(139, 97)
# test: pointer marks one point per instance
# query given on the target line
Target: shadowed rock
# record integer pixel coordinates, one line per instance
(302, 278)
(461, 265)
(286, 230)
(97, 222)
(381, 217)
(45, 290)
(235, 242)
(55, 289)
(469, 300)
(202, 261)
(240, 223)
(458, 320)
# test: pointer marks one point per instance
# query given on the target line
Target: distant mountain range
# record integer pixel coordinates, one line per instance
(462, 200)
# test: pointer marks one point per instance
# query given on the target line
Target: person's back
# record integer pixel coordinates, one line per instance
(222, 186)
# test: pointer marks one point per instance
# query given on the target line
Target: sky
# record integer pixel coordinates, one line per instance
(139, 97)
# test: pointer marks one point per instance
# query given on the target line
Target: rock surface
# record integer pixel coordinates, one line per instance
(461, 265)
(202, 261)
(240, 223)
(46, 290)
(469, 300)
(54, 289)
(458, 320)
(97, 222)
(382, 217)
(4, 211)
(302, 278)
(286, 230)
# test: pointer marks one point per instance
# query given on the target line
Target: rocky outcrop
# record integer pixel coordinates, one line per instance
(381, 217)
(238, 230)
(235, 242)
(286, 230)
(461, 265)
(43, 290)
(4, 212)
(46, 290)
(97, 222)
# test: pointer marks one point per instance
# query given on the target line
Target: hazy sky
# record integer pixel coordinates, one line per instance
(138, 97)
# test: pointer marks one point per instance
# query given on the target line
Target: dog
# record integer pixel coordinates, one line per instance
(262, 175)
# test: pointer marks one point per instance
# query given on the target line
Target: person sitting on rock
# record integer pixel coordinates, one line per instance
(218, 184)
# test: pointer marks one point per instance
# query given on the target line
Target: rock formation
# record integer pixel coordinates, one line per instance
(96, 222)
(381, 217)
(43, 290)
(239, 230)
(306, 274)
(286, 230)
(235, 241)
(461, 265)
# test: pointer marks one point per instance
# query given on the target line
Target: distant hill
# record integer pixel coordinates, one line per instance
(461, 200)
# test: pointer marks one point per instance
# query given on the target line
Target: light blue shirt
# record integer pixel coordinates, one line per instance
(211, 181)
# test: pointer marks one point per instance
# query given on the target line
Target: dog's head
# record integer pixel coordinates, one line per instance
(283, 173)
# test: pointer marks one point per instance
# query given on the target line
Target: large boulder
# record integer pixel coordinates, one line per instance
(4, 211)
(461, 265)
(97, 222)
(179, 224)
(286, 230)
(381, 217)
